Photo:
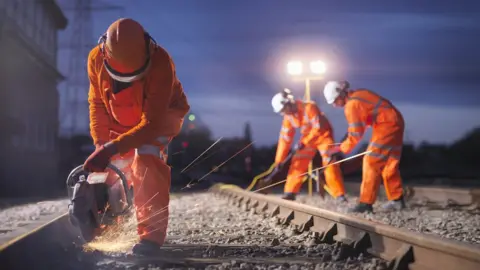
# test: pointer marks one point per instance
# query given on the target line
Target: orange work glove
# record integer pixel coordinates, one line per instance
(99, 159)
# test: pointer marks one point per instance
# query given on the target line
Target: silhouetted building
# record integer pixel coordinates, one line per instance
(28, 95)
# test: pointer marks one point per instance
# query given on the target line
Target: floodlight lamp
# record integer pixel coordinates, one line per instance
(318, 67)
(295, 68)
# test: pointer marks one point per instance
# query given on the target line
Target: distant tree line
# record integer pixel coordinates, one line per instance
(457, 160)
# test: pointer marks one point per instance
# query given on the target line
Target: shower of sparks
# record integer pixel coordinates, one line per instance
(121, 236)
(141, 207)
(194, 182)
(203, 159)
(141, 185)
(217, 141)
(176, 153)
(104, 212)
(118, 237)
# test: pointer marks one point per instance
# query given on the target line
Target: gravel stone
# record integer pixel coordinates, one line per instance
(211, 228)
(452, 222)
(203, 226)
(14, 217)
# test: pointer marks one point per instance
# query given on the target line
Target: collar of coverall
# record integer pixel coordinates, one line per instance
(348, 95)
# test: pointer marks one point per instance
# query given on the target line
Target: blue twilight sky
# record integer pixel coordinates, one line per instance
(231, 55)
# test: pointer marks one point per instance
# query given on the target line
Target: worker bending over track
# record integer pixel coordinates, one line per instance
(317, 134)
(137, 105)
(365, 108)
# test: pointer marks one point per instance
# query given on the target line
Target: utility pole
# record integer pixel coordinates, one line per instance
(74, 116)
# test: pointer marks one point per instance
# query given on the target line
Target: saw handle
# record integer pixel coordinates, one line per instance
(79, 170)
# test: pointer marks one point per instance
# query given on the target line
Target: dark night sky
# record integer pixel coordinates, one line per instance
(231, 57)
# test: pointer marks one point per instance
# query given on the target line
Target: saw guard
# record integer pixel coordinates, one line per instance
(83, 194)
(123, 178)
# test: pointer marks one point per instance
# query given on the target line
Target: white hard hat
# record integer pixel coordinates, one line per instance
(333, 89)
(280, 99)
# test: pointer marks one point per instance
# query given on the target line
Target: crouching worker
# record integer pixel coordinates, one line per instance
(365, 108)
(137, 105)
(317, 134)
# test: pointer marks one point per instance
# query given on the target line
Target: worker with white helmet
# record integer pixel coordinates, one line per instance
(317, 134)
(365, 108)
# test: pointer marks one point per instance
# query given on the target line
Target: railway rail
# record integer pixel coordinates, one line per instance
(56, 240)
(432, 194)
(402, 249)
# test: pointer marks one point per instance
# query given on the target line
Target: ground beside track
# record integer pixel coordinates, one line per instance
(461, 224)
(18, 216)
(209, 229)
(208, 233)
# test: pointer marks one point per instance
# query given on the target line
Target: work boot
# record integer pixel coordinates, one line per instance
(145, 248)
(341, 199)
(289, 196)
(361, 208)
(395, 205)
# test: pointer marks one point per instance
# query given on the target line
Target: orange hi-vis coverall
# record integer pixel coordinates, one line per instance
(365, 108)
(317, 134)
(141, 120)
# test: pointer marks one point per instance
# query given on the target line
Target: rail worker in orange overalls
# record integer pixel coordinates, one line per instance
(365, 108)
(317, 135)
(137, 104)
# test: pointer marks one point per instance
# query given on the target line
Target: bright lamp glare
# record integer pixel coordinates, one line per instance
(295, 68)
(318, 67)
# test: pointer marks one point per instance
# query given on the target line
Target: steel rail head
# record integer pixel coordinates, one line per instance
(402, 248)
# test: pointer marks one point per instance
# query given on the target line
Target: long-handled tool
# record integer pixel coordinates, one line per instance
(320, 183)
(268, 177)
(271, 174)
(317, 169)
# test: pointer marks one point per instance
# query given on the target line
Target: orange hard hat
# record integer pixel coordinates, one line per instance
(126, 50)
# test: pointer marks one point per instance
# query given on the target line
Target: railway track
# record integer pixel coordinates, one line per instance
(402, 249)
(434, 195)
(211, 242)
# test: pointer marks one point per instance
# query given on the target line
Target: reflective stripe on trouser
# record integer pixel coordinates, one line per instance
(151, 194)
(298, 167)
(382, 162)
(333, 173)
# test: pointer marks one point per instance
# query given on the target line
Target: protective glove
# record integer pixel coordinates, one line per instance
(299, 146)
(99, 159)
(334, 150)
(334, 153)
(277, 168)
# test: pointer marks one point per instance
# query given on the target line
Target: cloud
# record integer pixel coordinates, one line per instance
(231, 55)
